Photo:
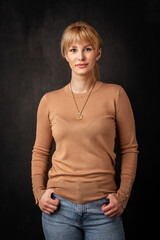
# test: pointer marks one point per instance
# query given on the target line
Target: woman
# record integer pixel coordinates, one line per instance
(81, 200)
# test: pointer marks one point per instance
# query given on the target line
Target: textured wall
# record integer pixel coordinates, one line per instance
(31, 65)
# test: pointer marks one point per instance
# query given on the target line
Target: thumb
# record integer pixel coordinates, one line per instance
(109, 196)
(50, 191)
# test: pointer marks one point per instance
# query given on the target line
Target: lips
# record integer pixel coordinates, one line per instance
(83, 65)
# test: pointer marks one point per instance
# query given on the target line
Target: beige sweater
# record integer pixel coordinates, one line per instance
(83, 164)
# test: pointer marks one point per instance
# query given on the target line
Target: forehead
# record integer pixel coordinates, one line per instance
(80, 44)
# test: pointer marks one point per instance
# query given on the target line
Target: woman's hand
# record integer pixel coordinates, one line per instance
(114, 208)
(47, 204)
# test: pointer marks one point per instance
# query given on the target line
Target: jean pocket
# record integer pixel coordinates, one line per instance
(55, 196)
(102, 201)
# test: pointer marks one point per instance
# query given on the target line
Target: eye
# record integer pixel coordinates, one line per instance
(72, 50)
(88, 49)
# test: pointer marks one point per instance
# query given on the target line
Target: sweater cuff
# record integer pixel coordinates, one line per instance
(123, 194)
(122, 198)
(39, 195)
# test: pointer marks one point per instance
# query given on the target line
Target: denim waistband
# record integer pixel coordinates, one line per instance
(98, 202)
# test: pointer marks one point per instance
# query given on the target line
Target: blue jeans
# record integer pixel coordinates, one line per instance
(87, 221)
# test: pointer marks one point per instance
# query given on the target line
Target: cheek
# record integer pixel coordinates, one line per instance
(92, 58)
(71, 60)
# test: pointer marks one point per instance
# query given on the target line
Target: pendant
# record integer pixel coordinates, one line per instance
(79, 116)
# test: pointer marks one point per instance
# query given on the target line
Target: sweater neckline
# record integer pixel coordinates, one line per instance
(81, 95)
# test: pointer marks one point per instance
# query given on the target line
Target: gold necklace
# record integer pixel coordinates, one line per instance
(80, 116)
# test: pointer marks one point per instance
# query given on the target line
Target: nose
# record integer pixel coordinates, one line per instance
(81, 56)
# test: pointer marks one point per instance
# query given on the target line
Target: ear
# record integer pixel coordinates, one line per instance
(99, 54)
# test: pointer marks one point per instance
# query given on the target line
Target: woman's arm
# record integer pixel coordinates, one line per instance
(128, 144)
(41, 150)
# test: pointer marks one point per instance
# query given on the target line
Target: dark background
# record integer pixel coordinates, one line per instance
(31, 65)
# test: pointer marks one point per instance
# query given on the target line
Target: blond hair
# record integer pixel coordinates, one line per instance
(81, 31)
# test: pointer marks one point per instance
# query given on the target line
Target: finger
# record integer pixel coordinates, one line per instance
(47, 212)
(53, 202)
(113, 215)
(111, 212)
(106, 208)
(52, 207)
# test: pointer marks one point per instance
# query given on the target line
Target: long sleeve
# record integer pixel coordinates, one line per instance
(83, 163)
(41, 149)
(128, 145)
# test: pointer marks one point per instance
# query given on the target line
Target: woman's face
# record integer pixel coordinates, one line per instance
(82, 57)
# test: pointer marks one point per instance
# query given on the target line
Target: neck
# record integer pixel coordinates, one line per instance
(82, 84)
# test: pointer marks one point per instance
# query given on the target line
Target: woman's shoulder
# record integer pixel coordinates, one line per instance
(52, 96)
(55, 93)
(110, 88)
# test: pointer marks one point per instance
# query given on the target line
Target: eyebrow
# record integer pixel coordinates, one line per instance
(73, 46)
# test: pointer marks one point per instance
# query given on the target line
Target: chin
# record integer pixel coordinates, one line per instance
(83, 72)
